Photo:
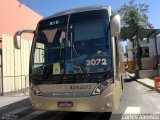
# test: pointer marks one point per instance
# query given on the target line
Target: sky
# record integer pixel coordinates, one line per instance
(49, 7)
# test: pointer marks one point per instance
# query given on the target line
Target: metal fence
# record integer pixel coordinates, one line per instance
(15, 66)
(15, 85)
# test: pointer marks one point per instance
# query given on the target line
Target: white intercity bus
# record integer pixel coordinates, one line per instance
(76, 62)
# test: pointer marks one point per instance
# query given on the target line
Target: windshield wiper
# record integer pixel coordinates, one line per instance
(53, 48)
(84, 70)
(62, 46)
(47, 70)
(100, 76)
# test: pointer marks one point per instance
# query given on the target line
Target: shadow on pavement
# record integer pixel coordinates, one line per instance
(16, 105)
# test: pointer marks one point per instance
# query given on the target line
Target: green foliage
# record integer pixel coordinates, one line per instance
(132, 19)
(134, 15)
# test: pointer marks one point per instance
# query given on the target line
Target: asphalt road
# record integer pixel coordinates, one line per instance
(137, 99)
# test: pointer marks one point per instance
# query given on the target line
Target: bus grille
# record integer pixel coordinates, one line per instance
(67, 94)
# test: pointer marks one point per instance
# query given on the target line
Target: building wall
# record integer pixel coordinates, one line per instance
(15, 64)
(150, 63)
(16, 17)
(158, 44)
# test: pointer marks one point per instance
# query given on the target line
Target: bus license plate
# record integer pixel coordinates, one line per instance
(65, 104)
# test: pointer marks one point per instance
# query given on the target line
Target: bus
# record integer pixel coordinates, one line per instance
(75, 61)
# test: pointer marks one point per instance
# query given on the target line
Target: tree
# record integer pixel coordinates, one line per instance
(134, 15)
(134, 18)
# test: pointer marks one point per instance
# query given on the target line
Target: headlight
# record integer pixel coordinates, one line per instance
(36, 90)
(102, 86)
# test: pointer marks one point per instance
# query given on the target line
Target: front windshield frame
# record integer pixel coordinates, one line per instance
(67, 27)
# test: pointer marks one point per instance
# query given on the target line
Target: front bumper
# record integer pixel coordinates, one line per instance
(101, 103)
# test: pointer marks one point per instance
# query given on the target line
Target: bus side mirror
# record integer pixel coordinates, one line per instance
(115, 25)
(17, 37)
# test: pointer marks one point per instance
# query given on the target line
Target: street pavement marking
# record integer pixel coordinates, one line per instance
(18, 110)
(32, 115)
(132, 110)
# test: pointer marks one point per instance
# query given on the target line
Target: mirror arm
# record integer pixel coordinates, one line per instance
(18, 33)
(17, 37)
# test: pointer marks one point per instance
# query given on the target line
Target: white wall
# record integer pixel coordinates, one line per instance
(158, 44)
(15, 64)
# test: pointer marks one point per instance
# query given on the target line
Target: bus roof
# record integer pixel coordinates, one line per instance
(76, 10)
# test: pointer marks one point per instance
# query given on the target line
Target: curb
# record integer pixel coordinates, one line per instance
(153, 88)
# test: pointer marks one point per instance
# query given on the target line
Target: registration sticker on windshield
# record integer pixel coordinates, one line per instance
(56, 68)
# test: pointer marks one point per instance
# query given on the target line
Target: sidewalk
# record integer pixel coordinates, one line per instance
(12, 98)
(6, 100)
(148, 83)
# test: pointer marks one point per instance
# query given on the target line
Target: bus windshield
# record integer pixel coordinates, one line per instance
(72, 44)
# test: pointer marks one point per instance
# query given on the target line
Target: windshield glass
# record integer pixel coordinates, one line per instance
(73, 44)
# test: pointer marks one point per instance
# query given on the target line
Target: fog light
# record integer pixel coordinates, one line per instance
(108, 105)
(98, 90)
